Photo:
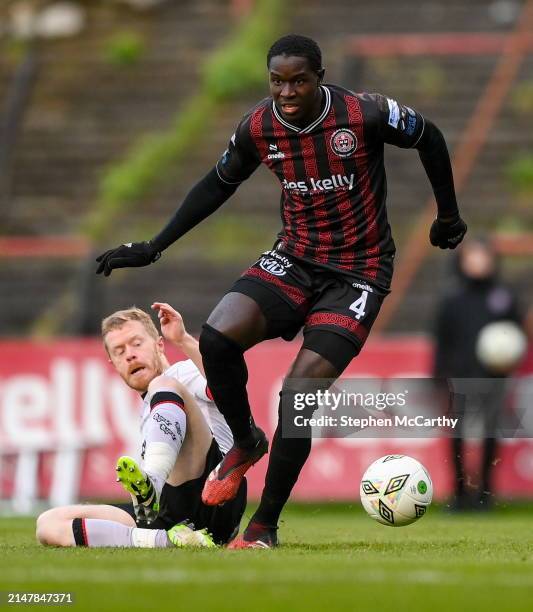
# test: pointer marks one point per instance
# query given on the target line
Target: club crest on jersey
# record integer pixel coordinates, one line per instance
(343, 142)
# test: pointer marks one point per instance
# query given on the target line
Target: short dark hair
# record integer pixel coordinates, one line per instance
(302, 46)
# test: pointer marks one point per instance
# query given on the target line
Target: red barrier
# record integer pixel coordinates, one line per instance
(65, 416)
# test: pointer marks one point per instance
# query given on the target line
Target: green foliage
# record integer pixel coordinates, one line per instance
(13, 51)
(522, 98)
(430, 81)
(382, 68)
(152, 158)
(241, 64)
(125, 49)
(508, 224)
(519, 174)
(234, 69)
(219, 234)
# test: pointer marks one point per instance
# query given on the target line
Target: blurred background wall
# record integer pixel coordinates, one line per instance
(110, 110)
(101, 141)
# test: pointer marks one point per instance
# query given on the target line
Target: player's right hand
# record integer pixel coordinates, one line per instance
(172, 326)
(447, 234)
(130, 255)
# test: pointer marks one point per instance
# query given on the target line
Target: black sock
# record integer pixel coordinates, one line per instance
(78, 529)
(457, 451)
(227, 376)
(286, 459)
(489, 452)
(255, 529)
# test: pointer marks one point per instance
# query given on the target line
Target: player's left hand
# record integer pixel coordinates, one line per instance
(172, 326)
(130, 255)
(447, 234)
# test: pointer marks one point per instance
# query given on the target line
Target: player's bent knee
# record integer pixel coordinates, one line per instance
(40, 528)
(223, 358)
(51, 531)
(166, 383)
(215, 345)
(44, 520)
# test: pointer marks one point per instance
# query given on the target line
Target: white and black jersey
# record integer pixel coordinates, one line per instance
(190, 376)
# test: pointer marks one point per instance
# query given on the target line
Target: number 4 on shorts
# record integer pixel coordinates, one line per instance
(359, 305)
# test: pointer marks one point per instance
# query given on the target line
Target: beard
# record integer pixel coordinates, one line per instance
(154, 368)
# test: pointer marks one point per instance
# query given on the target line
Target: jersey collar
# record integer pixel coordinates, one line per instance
(311, 126)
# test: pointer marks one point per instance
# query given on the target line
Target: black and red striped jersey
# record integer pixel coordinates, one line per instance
(332, 177)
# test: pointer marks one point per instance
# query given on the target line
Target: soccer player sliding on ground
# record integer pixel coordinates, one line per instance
(331, 266)
(183, 438)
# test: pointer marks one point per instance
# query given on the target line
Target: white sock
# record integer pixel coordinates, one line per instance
(164, 433)
(99, 533)
(149, 538)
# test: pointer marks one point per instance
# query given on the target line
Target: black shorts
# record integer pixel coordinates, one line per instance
(184, 503)
(294, 294)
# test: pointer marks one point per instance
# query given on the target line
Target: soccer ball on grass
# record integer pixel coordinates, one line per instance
(396, 490)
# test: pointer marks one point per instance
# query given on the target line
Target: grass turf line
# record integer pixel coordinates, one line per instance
(332, 557)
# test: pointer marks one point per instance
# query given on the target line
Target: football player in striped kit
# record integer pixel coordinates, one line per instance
(330, 267)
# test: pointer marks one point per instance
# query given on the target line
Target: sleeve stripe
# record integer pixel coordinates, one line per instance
(209, 393)
(224, 180)
(421, 133)
(84, 532)
(165, 402)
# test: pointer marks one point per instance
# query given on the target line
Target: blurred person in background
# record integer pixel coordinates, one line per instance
(183, 437)
(478, 299)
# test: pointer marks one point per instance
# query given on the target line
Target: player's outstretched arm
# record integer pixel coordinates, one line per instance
(448, 229)
(173, 330)
(201, 201)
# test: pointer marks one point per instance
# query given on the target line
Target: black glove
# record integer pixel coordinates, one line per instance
(130, 255)
(447, 234)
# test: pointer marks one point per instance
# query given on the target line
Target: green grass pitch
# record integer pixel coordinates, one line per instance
(333, 558)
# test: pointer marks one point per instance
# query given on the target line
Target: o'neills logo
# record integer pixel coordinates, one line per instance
(343, 142)
(336, 181)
